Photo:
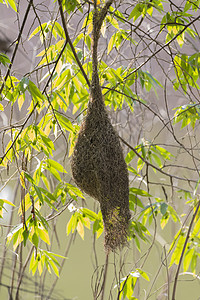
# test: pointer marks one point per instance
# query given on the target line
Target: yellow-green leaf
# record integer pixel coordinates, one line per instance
(80, 229)
(33, 264)
(86, 222)
(43, 234)
(187, 259)
(12, 4)
(32, 135)
(55, 269)
(69, 225)
(35, 239)
(22, 179)
(21, 100)
(111, 43)
(7, 201)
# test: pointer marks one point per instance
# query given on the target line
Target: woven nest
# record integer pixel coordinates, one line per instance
(99, 169)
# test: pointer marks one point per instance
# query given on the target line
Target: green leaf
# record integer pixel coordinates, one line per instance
(54, 164)
(43, 234)
(89, 213)
(1, 212)
(187, 259)
(29, 178)
(163, 208)
(139, 192)
(80, 228)
(23, 84)
(2, 201)
(135, 200)
(136, 12)
(112, 21)
(157, 160)
(98, 227)
(143, 274)
(45, 181)
(61, 98)
(173, 214)
(132, 170)
(33, 264)
(69, 225)
(52, 255)
(45, 224)
(35, 92)
(164, 220)
(111, 43)
(163, 152)
(74, 190)
(70, 5)
(194, 262)
(47, 141)
(59, 30)
(38, 29)
(38, 192)
(48, 194)
(21, 100)
(64, 122)
(1, 107)
(196, 228)
(88, 42)
(54, 172)
(25, 236)
(13, 232)
(17, 238)
(130, 156)
(12, 4)
(55, 269)
(35, 239)
(178, 250)
(4, 59)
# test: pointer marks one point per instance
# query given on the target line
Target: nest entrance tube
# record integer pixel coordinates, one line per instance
(99, 168)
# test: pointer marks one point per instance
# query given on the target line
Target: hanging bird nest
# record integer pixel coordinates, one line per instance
(99, 168)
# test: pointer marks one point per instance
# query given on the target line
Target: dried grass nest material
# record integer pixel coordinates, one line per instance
(99, 169)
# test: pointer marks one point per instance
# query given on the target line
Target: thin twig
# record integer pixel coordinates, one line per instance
(183, 251)
(22, 272)
(71, 44)
(104, 277)
(16, 44)
(61, 266)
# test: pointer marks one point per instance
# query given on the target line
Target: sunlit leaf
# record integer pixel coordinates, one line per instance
(55, 269)
(130, 156)
(80, 229)
(1, 107)
(12, 4)
(2, 201)
(4, 59)
(187, 259)
(43, 234)
(163, 208)
(69, 225)
(35, 239)
(22, 179)
(21, 100)
(65, 122)
(54, 164)
(139, 192)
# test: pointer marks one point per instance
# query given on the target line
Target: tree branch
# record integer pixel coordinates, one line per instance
(183, 251)
(17, 44)
(70, 43)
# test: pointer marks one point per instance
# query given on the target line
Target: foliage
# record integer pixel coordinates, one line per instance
(151, 91)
